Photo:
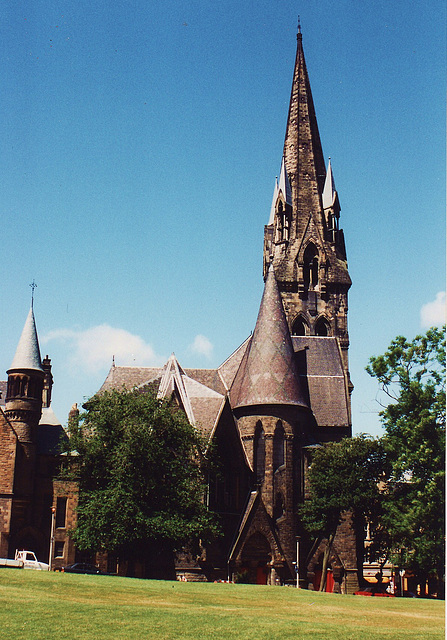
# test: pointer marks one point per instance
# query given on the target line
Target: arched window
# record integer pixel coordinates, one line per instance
(310, 269)
(278, 447)
(300, 327)
(279, 223)
(259, 453)
(322, 328)
(278, 508)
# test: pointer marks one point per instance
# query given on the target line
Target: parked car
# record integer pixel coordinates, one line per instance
(374, 591)
(82, 567)
(24, 560)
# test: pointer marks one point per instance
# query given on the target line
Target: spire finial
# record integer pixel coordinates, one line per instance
(33, 285)
(299, 24)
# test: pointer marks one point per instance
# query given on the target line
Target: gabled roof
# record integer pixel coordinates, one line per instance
(200, 392)
(267, 373)
(320, 369)
(27, 355)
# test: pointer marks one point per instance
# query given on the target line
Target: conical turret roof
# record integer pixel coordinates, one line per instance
(267, 372)
(27, 355)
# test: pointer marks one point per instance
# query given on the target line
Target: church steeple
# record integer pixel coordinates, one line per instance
(302, 237)
(303, 153)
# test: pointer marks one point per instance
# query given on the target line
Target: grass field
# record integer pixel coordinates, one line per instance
(49, 606)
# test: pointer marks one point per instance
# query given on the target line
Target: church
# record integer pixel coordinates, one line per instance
(283, 392)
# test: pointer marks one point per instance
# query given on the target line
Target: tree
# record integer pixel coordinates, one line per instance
(141, 476)
(343, 477)
(412, 378)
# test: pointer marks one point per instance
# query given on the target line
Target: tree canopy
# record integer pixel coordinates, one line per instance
(412, 378)
(141, 475)
(343, 477)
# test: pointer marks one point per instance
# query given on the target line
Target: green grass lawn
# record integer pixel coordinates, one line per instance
(44, 606)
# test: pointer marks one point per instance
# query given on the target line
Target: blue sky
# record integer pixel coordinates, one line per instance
(139, 146)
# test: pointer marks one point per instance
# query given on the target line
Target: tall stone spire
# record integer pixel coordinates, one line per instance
(302, 237)
(267, 374)
(303, 153)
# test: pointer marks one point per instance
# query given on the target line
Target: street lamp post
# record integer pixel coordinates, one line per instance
(53, 518)
(298, 539)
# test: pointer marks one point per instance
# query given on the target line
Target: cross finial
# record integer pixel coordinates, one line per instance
(33, 285)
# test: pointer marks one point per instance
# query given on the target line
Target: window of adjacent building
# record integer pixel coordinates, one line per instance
(59, 549)
(61, 511)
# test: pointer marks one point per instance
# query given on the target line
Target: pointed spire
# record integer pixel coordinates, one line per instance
(267, 372)
(274, 199)
(329, 192)
(284, 184)
(27, 355)
(302, 147)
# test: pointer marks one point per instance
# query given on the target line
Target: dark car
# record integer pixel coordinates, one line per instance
(81, 567)
(374, 591)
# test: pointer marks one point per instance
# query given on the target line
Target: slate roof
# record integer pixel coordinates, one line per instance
(27, 355)
(200, 391)
(267, 374)
(130, 377)
(320, 367)
(270, 367)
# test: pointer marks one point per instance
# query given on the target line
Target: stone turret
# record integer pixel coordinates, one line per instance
(24, 400)
(271, 409)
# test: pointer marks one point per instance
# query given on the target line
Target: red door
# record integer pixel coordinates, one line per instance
(261, 575)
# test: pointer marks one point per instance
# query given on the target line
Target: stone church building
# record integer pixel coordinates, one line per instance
(283, 392)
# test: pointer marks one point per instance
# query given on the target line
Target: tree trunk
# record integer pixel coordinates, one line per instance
(324, 568)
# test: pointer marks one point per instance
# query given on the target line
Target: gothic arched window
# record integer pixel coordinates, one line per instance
(259, 453)
(278, 447)
(300, 327)
(310, 268)
(278, 508)
(322, 328)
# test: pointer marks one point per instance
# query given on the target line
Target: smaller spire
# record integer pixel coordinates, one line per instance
(274, 199)
(329, 192)
(27, 355)
(284, 184)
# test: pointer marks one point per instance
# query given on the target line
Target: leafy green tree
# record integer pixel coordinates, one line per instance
(141, 475)
(343, 477)
(412, 378)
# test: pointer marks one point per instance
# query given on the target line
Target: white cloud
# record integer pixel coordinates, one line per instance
(202, 346)
(433, 313)
(93, 349)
